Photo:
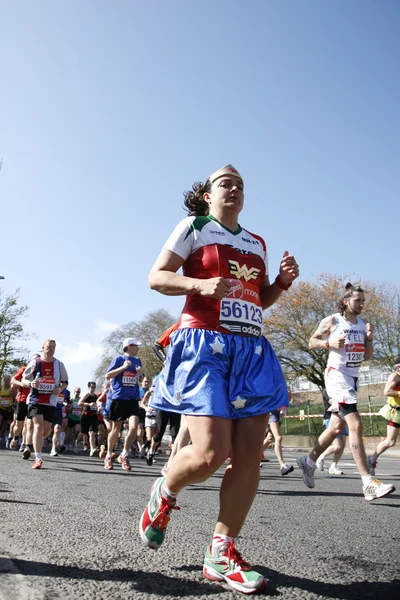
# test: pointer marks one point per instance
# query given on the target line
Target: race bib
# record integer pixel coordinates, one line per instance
(354, 355)
(129, 379)
(240, 316)
(76, 412)
(5, 402)
(46, 385)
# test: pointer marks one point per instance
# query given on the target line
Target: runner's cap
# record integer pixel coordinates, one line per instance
(128, 341)
(228, 170)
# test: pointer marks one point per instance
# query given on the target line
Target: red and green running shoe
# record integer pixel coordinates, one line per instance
(156, 517)
(230, 567)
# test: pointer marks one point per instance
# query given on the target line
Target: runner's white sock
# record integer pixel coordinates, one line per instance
(167, 494)
(333, 464)
(62, 438)
(38, 455)
(366, 479)
(109, 455)
(219, 543)
(124, 454)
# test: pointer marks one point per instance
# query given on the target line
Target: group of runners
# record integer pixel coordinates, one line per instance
(221, 379)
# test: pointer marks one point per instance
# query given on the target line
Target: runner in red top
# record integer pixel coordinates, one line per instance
(22, 408)
(46, 377)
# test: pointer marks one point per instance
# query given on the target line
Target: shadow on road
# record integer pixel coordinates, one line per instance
(143, 581)
(20, 502)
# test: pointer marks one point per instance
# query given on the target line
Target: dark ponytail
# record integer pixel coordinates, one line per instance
(194, 201)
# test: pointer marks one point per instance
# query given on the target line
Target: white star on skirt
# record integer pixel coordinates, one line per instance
(239, 402)
(217, 347)
(258, 350)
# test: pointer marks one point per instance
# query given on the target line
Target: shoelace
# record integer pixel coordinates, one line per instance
(164, 514)
(234, 555)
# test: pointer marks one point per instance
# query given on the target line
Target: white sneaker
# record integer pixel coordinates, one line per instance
(320, 464)
(376, 489)
(307, 471)
(285, 469)
(371, 466)
(53, 452)
(334, 470)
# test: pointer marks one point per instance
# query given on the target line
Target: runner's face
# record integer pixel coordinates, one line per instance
(355, 304)
(226, 194)
(77, 392)
(49, 348)
(132, 350)
(7, 380)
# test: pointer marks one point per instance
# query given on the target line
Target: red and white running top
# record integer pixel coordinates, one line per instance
(211, 250)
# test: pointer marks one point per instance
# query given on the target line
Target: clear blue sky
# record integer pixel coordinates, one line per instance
(109, 110)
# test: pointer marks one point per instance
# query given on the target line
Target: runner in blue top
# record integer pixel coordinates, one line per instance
(125, 372)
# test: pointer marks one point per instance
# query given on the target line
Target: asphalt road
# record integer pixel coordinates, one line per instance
(70, 531)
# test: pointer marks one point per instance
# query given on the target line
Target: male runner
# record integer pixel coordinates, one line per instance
(6, 405)
(46, 377)
(125, 373)
(348, 340)
(22, 407)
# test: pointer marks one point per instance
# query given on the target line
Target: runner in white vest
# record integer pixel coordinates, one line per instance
(349, 341)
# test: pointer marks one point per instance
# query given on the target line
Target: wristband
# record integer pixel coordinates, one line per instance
(280, 284)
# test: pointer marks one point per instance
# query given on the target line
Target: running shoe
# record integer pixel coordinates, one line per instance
(85, 447)
(376, 489)
(334, 470)
(26, 453)
(124, 462)
(307, 471)
(149, 458)
(143, 450)
(37, 463)
(108, 463)
(13, 444)
(53, 452)
(371, 465)
(285, 469)
(21, 448)
(114, 455)
(103, 452)
(230, 567)
(8, 443)
(320, 464)
(156, 517)
(94, 452)
(62, 448)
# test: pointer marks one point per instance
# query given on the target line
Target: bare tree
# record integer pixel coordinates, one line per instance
(147, 332)
(11, 333)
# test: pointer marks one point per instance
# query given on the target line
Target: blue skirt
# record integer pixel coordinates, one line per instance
(222, 375)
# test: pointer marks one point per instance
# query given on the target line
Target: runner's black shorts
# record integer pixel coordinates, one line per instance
(58, 416)
(41, 409)
(89, 423)
(22, 411)
(123, 409)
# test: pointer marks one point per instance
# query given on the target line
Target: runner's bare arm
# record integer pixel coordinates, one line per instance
(319, 339)
(392, 382)
(165, 279)
(82, 401)
(369, 349)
